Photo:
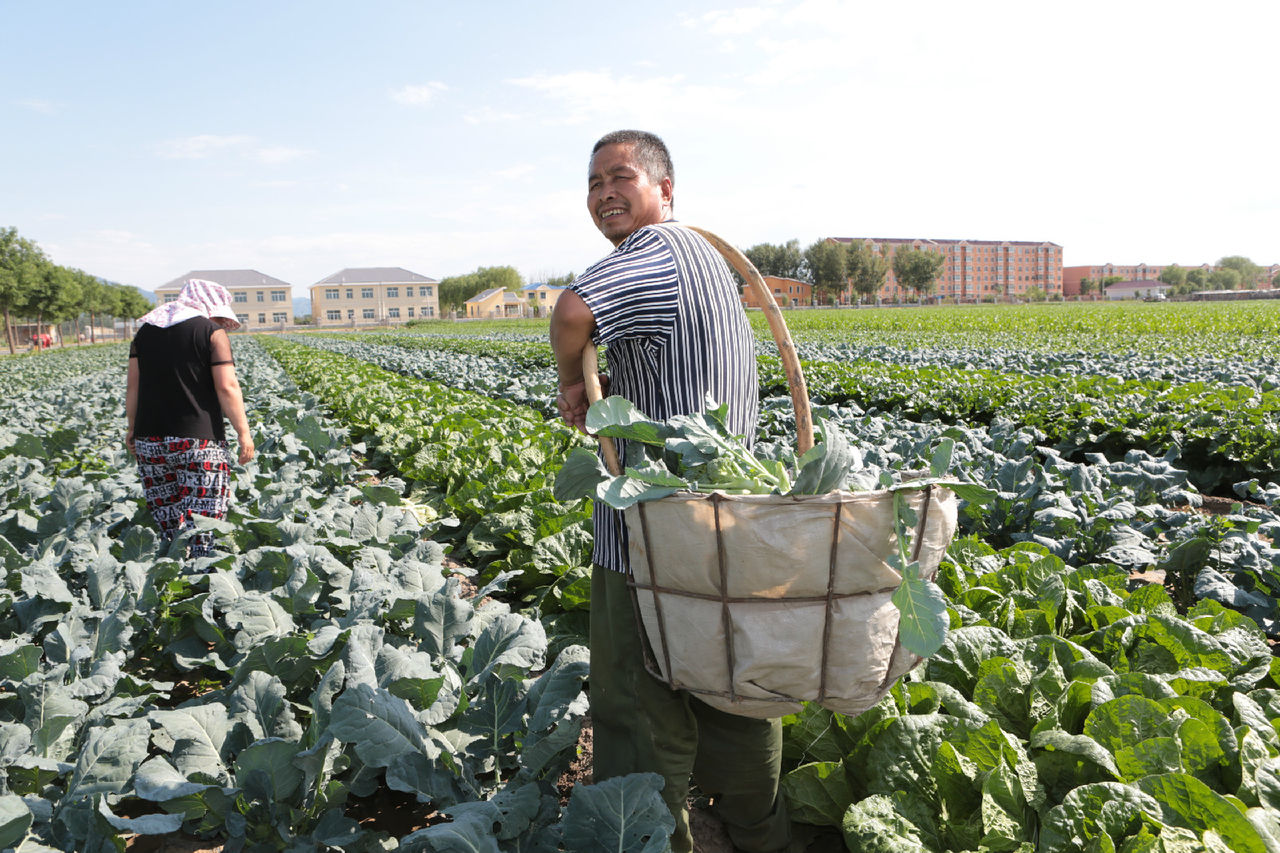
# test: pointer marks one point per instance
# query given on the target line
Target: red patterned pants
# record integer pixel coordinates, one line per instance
(181, 476)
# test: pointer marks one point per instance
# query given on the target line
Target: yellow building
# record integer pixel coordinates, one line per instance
(260, 301)
(374, 296)
(542, 298)
(496, 303)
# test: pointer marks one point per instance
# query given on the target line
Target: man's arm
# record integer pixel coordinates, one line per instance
(571, 326)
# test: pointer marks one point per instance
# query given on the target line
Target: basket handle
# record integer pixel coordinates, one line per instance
(591, 376)
(781, 336)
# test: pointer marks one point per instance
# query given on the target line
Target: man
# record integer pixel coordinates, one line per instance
(667, 306)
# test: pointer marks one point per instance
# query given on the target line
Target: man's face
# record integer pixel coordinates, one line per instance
(620, 196)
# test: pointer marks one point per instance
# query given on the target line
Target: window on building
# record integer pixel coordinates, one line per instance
(262, 297)
(428, 311)
(243, 318)
(332, 293)
(333, 315)
(351, 313)
(393, 293)
(240, 296)
(367, 313)
(366, 293)
(279, 296)
(411, 311)
(279, 317)
(393, 313)
(408, 291)
(170, 297)
(425, 290)
(349, 293)
(262, 318)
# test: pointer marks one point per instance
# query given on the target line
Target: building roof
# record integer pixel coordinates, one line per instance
(542, 285)
(227, 278)
(484, 294)
(375, 275)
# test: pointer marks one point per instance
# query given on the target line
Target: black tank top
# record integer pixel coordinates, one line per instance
(176, 396)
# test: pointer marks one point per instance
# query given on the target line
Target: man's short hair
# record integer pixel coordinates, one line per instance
(650, 151)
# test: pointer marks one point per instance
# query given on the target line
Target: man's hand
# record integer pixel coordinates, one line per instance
(573, 404)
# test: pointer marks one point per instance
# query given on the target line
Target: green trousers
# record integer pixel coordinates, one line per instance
(640, 725)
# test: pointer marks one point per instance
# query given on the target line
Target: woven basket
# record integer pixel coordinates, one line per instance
(757, 603)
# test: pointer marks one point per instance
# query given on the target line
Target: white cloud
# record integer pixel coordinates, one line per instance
(515, 171)
(735, 22)
(278, 154)
(590, 95)
(417, 95)
(489, 115)
(37, 105)
(200, 147)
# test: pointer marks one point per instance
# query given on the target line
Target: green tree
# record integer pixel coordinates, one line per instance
(561, 280)
(54, 296)
(130, 304)
(456, 290)
(1198, 279)
(1035, 293)
(1275, 282)
(1227, 278)
(1087, 285)
(1248, 270)
(917, 269)
(825, 264)
(785, 260)
(1174, 276)
(866, 268)
(20, 261)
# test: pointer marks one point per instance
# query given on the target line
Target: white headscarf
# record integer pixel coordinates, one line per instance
(199, 298)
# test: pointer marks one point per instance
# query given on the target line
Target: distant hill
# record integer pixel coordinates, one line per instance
(301, 306)
(147, 293)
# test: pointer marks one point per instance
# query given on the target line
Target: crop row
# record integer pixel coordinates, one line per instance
(486, 464)
(1221, 434)
(1137, 511)
(1058, 687)
(257, 697)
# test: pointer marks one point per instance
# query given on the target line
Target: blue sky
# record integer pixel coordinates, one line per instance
(145, 139)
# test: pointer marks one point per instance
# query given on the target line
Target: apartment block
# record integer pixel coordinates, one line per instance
(787, 293)
(973, 269)
(365, 296)
(1072, 276)
(260, 301)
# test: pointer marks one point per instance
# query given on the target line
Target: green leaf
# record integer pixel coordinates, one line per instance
(1187, 802)
(15, 819)
(877, 825)
(617, 417)
(274, 758)
(923, 621)
(379, 725)
(580, 475)
(108, 758)
(818, 793)
(624, 814)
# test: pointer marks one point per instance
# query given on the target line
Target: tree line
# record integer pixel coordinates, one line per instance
(35, 289)
(1233, 272)
(832, 267)
(455, 290)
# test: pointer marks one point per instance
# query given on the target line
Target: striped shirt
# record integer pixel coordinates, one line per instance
(668, 308)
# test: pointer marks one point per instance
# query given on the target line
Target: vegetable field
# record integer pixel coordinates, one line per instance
(398, 612)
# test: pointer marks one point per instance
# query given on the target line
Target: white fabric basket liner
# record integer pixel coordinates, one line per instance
(756, 603)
